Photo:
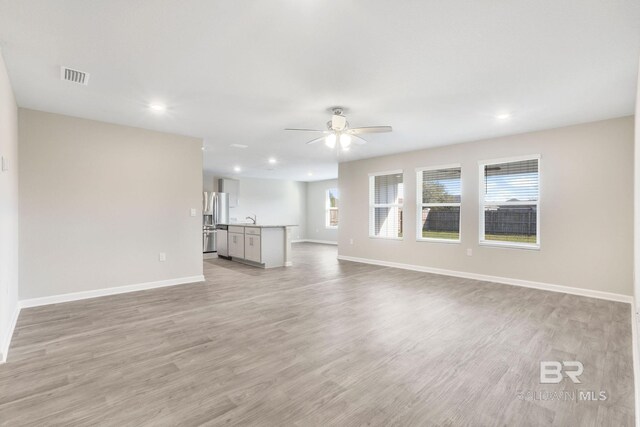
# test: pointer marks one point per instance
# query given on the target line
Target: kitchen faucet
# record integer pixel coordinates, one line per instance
(252, 218)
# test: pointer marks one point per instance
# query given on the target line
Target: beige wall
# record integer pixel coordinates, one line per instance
(636, 269)
(99, 202)
(8, 208)
(586, 199)
(316, 217)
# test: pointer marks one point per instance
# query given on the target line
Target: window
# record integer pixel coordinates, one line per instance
(386, 195)
(509, 202)
(331, 207)
(438, 196)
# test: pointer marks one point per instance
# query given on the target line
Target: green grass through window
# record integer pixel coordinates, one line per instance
(516, 238)
(450, 235)
(454, 235)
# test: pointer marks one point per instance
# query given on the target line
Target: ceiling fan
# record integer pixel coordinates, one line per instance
(338, 130)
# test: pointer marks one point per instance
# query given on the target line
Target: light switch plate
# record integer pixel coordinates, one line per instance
(162, 257)
(193, 212)
(5, 164)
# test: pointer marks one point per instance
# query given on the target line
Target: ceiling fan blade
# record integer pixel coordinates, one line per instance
(313, 141)
(369, 129)
(358, 140)
(309, 130)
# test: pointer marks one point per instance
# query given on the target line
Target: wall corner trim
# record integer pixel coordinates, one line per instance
(4, 350)
(496, 279)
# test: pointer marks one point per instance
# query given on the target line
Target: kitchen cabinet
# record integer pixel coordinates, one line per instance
(232, 187)
(252, 250)
(265, 246)
(236, 245)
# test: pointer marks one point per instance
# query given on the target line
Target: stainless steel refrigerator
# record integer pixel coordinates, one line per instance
(215, 210)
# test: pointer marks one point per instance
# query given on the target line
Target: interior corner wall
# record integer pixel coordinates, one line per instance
(8, 210)
(272, 201)
(99, 202)
(316, 215)
(586, 209)
(636, 205)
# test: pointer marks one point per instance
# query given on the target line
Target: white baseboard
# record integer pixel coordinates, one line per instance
(75, 296)
(4, 351)
(322, 242)
(504, 280)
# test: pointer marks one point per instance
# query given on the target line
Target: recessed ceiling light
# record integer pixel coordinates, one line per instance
(310, 173)
(236, 169)
(272, 160)
(238, 146)
(157, 107)
(503, 116)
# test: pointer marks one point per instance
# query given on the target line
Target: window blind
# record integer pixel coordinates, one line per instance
(441, 185)
(439, 193)
(511, 182)
(510, 203)
(385, 207)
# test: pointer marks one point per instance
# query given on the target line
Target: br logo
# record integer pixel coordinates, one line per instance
(551, 371)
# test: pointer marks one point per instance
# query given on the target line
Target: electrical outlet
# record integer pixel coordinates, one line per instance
(194, 212)
(469, 252)
(162, 257)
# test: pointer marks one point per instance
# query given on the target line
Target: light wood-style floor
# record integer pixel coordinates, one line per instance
(320, 343)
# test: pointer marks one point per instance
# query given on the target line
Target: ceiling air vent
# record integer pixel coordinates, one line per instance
(74, 76)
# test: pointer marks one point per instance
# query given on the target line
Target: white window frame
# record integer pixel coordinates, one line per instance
(328, 209)
(481, 203)
(373, 205)
(420, 204)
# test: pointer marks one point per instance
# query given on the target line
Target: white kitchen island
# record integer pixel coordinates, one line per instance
(265, 246)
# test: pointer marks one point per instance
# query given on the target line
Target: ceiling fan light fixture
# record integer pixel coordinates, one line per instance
(339, 131)
(330, 140)
(345, 141)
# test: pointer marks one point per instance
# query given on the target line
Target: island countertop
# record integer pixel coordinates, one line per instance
(260, 245)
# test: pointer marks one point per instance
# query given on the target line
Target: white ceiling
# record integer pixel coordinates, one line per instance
(241, 71)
